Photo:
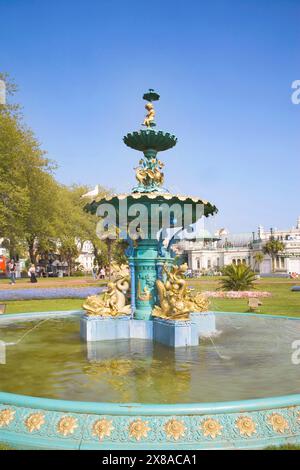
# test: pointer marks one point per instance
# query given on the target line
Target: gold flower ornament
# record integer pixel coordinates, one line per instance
(34, 422)
(139, 429)
(102, 428)
(67, 425)
(246, 426)
(6, 417)
(211, 428)
(278, 422)
(175, 429)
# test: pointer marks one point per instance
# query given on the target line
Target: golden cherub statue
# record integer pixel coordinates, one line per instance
(176, 300)
(113, 302)
(149, 119)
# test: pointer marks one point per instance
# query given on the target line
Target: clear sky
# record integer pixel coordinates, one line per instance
(224, 71)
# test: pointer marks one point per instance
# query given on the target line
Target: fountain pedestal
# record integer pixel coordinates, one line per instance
(172, 333)
(175, 333)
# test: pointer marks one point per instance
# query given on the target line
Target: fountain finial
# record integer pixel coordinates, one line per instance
(150, 96)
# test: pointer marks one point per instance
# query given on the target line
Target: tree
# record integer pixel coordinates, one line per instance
(237, 277)
(272, 248)
(36, 211)
(258, 258)
(27, 185)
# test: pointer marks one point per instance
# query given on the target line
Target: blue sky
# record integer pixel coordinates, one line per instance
(224, 70)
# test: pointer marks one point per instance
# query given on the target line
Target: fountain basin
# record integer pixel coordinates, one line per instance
(45, 423)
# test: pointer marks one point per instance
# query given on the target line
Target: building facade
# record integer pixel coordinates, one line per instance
(211, 253)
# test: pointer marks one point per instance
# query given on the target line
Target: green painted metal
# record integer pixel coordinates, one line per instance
(149, 139)
(151, 95)
(145, 259)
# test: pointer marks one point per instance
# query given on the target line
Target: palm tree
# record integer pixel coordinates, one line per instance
(237, 277)
(258, 258)
(272, 248)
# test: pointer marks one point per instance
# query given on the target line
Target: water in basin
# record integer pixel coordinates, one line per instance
(250, 358)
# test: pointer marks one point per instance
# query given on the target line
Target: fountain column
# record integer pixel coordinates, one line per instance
(145, 257)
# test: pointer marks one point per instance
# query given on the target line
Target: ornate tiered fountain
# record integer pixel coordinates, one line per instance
(236, 390)
(158, 287)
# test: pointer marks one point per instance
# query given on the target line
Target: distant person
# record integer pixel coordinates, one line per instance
(102, 273)
(32, 274)
(94, 272)
(12, 271)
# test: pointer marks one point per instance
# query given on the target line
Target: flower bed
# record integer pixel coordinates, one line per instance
(236, 294)
(50, 293)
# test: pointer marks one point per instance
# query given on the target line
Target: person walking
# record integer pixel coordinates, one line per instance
(102, 273)
(32, 274)
(12, 271)
(94, 272)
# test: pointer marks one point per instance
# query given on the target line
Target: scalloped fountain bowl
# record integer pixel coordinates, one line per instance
(59, 392)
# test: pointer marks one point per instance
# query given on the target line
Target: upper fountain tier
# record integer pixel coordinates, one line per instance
(149, 190)
(149, 139)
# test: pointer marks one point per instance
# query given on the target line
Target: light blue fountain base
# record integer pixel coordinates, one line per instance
(88, 419)
(171, 333)
(108, 426)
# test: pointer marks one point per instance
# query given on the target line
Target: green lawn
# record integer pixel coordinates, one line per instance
(282, 302)
(4, 447)
(20, 306)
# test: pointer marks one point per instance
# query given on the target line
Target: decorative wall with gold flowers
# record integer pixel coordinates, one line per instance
(37, 428)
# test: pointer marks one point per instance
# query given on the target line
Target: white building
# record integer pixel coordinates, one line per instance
(86, 256)
(210, 253)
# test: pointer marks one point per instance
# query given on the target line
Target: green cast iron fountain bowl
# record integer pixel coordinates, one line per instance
(45, 423)
(149, 139)
(155, 197)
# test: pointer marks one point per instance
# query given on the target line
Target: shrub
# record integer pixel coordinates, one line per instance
(237, 278)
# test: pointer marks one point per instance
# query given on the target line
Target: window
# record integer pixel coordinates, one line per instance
(208, 263)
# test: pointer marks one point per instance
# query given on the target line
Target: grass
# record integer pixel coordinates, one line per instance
(4, 447)
(284, 447)
(282, 301)
(20, 306)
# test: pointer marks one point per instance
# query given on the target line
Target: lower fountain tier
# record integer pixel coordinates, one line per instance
(169, 332)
